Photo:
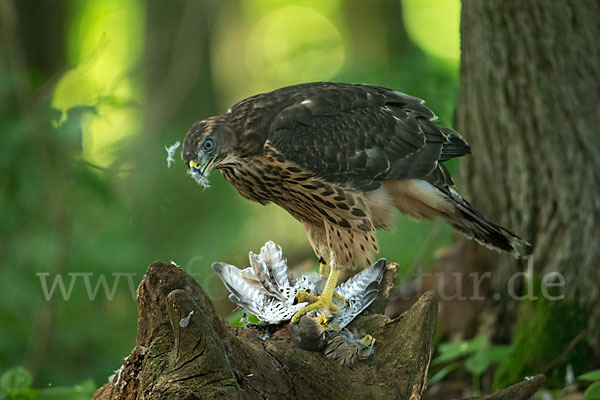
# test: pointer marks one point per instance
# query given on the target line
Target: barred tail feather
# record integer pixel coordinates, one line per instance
(472, 223)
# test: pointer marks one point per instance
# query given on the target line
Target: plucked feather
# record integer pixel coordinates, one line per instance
(265, 292)
(272, 256)
(360, 291)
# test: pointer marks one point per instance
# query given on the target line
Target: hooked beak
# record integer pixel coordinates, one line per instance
(200, 171)
(325, 321)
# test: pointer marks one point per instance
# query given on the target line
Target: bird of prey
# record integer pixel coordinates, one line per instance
(340, 158)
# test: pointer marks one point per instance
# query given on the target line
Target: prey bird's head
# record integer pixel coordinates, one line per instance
(207, 144)
(311, 332)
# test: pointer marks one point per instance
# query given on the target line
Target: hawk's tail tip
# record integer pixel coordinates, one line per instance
(472, 223)
(493, 236)
(520, 248)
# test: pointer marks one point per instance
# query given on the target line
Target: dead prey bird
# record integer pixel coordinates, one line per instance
(266, 290)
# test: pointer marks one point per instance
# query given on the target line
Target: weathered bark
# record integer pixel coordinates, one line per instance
(522, 390)
(529, 95)
(185, 350)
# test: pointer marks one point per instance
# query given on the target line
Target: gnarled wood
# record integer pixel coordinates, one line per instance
(184, 350)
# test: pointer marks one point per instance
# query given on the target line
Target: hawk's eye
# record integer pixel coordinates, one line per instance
(208, 145)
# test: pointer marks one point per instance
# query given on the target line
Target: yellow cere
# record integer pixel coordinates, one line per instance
(194, 164)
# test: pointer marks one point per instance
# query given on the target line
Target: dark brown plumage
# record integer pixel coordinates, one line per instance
(339, 158)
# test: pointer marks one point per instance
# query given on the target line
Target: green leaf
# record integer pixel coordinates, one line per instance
(480, 361)
(441, 374)
(235, 319)
(15, 379)
(70, 130)
(592, 392)
(590, 376)
(24, 394)
(87, 177)
(453, 351)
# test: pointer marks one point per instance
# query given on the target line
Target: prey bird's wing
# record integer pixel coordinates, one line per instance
(252, 296)
(360, 135)
(360, 291)
(270, 269)
(243, 292)
(265, 290)
(272, 256)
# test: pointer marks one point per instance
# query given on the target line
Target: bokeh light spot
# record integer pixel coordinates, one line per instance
(294, 44)
(434, 25)
(105, 43)
(260, 7)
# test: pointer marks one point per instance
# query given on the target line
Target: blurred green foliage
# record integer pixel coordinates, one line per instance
(559, 324)
(15, 384)
(91, 92)
(593, 391)
(475, 356)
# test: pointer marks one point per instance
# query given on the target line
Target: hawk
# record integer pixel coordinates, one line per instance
(340, 158)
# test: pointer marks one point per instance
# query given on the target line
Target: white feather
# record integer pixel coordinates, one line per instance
(265, 289)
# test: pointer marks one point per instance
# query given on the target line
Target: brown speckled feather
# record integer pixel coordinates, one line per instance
(337, 218)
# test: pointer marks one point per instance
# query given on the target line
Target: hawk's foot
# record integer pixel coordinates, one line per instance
(367, 340)
(341, 299)
(326, 306)
(323, 267)
(303, 296)
(323, 302)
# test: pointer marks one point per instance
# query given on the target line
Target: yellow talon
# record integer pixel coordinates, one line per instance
(303, 296)
(323, 301)
(324, 321)
(341, 299)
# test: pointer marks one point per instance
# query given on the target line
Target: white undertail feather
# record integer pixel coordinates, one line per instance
(381, 205)
(419, 199)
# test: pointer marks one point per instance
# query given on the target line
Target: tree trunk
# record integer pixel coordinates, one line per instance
(528, 105)
(184, 350)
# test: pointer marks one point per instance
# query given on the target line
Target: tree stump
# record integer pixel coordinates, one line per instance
(184, 350)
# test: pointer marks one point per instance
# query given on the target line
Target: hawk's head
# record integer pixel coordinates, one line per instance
(207, 144)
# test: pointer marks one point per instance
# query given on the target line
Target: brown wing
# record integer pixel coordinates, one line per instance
(359, 135)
